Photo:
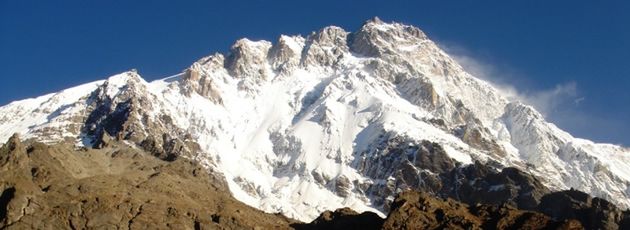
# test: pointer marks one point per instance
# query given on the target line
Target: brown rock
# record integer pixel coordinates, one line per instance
(58, 187)
(592, 212)
(343, 218)
(418, 210)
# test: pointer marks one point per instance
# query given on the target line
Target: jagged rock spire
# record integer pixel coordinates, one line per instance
(247, 59)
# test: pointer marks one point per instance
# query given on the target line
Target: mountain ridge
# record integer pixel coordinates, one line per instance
(120, 186)
(295, 125)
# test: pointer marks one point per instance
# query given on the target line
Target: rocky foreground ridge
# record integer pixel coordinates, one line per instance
(121, 187)
(418, 210)
(117, 187)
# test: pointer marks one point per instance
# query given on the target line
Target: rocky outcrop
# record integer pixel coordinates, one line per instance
(325, 48)
(126, 116)
(247, 59)
(481, 183)
(341, 219)
(594, 213)
(285, 54)
(400, 164)
(419, 91)
(478, 137)
(417, 210)
(413, 210)
(13, 154)
(374, 38)
(59, 187)
(196, 81)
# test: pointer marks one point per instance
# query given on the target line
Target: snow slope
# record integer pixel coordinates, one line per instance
(286, 123)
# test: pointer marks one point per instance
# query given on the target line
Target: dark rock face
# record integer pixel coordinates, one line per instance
(594, 213)
(168, 148)
(411, 165)
(124, 117)
(117, 187)
(5, 198)
(479, 183)
(398, 164)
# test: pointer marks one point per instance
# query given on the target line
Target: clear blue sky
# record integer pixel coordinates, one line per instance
(46, 46)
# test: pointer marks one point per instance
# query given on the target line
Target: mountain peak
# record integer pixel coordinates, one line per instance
(375, 20)
(286, 53)
(334, 119)
(124, 78)
(376, 38)
(329, 36)
(247, 58)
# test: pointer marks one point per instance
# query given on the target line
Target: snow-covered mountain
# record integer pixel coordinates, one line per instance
(336, 119)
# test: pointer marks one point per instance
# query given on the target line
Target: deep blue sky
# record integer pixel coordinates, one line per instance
(46, 46)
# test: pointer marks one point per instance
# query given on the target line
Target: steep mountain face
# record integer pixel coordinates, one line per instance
(336, 119)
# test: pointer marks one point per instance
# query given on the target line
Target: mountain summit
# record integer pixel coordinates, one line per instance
(335, 119)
